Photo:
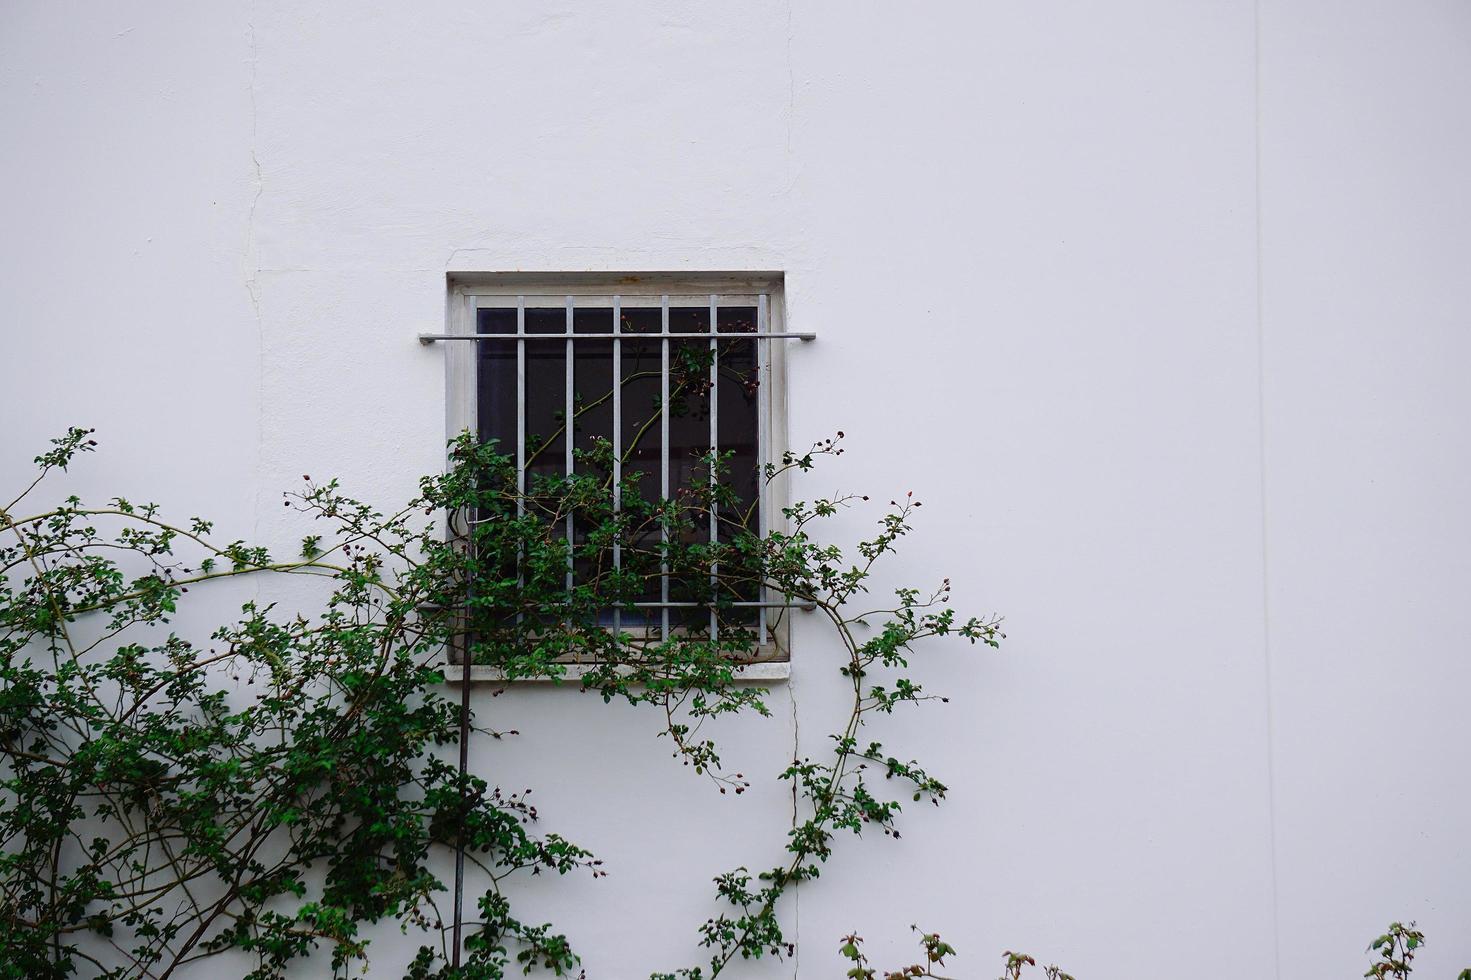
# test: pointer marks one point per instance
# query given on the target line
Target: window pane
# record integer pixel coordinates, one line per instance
(496, 401)
(689, 441)
(643, 445)
(592, 424)
(546, 395)
(593, 379)
(689, 396)
(496, 370)
(738, 414)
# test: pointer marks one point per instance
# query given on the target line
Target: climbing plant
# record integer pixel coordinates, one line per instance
(275, 784)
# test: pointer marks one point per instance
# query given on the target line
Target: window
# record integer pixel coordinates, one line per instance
(659, 373)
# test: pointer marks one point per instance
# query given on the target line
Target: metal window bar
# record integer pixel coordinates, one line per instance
(598, 295)
(763, 449)
(520, 436)
(520, 406)
(431, 338)
(692, 604)
(762, 337)
(714, 456)
(567, 426)
(618, 456)
(664, 463)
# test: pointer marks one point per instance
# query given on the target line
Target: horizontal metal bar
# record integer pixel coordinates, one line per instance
(746, 671)
(429, 338)
(805, 606)
(738, 605)
(637, 298)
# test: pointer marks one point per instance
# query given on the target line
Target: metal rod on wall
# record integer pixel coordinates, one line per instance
(430, 338)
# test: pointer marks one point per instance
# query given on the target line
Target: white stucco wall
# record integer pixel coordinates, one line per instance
(1161, 307)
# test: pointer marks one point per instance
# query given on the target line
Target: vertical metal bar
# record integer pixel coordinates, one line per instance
(567, 426)
(664, 459)
(520, 406)
(617, 451)
(714, 455)
(520, 435)
(763, 448)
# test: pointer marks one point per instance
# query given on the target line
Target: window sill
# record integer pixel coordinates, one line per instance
(761, 672)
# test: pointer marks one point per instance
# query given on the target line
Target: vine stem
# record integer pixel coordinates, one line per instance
(824, 803)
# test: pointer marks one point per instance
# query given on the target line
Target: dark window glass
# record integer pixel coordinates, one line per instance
(642, 437)
(731, 387)
(736, 419)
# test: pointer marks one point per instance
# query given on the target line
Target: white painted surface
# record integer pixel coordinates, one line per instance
(1160, 306)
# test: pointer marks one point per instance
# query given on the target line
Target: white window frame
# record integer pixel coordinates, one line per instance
(469, 292)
